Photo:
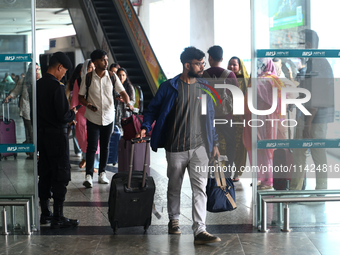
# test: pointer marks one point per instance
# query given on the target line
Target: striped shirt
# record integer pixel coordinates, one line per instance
(185, 119)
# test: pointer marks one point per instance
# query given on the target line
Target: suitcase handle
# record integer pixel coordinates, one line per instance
(136, 140)
(133, 141)
(3, 112)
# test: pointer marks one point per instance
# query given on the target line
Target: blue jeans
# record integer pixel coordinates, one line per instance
(95, 132)
(75, 142)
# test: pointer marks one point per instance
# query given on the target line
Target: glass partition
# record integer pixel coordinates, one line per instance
(17, 124)
(293, 117)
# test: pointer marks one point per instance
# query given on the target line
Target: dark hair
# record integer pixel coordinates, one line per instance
(238, 60)
(114, 65)
(312, 37)
(28, 77)
(75, 76)
(191, 53)
(276, 59)
(127, 83)
(97, 54)
(53, 62)
(216, 52)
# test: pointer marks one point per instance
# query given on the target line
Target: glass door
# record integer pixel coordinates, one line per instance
(18, 74)
(294, 117)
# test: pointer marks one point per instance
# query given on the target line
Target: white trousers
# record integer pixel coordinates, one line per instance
(177, 163)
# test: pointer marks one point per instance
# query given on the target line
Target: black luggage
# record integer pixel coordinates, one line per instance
(131, 197)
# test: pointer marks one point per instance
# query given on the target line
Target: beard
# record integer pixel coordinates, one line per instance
(192, 73)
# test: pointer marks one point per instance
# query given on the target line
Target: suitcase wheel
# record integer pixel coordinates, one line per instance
(115, 227)
(147, 225)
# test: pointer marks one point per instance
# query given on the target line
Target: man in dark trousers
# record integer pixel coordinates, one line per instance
(54, 115)
(98, 98)
(218, 75)
(188, 138)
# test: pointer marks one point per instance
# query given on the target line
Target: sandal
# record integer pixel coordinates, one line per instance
(82, 163)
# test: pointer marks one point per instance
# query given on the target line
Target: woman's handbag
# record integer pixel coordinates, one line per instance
(132, 126)
(220, 192)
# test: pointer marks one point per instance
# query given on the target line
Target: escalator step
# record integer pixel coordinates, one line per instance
(129, 64)
(117, 41)
(125, 56)
(122, 49)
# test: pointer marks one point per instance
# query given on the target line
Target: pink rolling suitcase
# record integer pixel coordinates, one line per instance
(7, 131)
(124, 152)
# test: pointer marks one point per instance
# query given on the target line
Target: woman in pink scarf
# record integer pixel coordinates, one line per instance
(81, 131)
(266, 81)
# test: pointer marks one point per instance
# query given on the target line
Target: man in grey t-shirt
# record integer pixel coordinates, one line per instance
(187, 137)
(319, 80)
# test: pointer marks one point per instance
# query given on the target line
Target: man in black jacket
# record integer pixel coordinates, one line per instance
(54, 115)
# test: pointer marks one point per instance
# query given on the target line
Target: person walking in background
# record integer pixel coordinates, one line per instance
(54, 114)
(218, 75)
(266, 81)
(319, 78)
(117, 100)
(237, 66)
(130, 90)
(187, 137)
(24, 90)
(80, 127)
(99, 113)
(69, 95)
(114, 67)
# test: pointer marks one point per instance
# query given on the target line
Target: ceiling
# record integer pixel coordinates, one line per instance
(18, 21)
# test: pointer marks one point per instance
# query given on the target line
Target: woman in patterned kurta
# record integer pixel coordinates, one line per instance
(237, 66)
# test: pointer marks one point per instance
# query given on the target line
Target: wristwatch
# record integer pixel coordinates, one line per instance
(216, 144)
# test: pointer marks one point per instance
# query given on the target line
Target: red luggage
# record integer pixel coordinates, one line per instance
(7, 131)
(124, 152)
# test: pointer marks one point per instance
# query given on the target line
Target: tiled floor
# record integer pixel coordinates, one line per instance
(319, 234)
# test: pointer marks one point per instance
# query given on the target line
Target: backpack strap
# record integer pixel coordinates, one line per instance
(113, 79)
(88, 83)
(205, 74)
(89, 80)
(225, 73)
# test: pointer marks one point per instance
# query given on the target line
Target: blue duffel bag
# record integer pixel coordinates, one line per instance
(220, 191)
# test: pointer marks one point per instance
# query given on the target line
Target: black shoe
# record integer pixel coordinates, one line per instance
(46, 213)
(59, 221)
(46, 219)
(63, 222)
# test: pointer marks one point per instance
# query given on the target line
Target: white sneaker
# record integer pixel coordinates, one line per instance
(88, 183)
(103, 179)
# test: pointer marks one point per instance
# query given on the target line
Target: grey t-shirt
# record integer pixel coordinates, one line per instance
(185, 119)
(321, 86)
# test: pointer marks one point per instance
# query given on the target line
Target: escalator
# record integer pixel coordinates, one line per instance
(113, 28)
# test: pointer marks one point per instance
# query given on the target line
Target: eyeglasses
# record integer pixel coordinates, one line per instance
(199, 64)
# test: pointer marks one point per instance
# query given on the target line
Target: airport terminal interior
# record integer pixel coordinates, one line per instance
(303, 221)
